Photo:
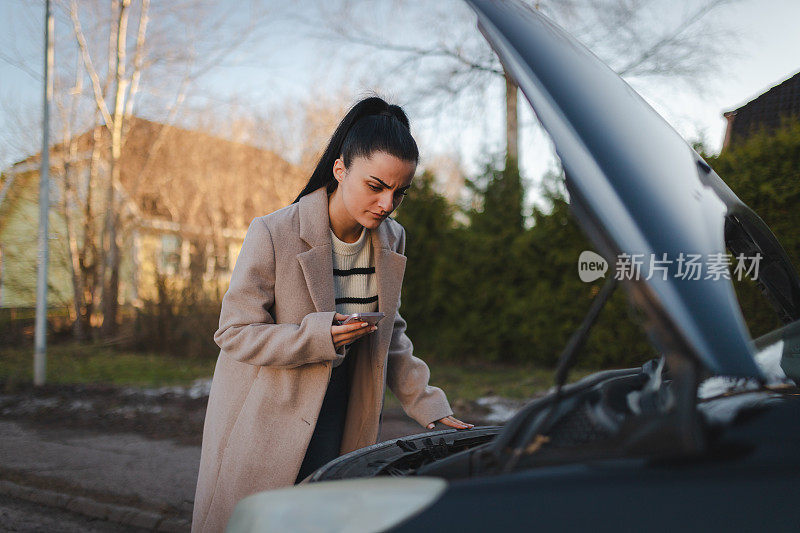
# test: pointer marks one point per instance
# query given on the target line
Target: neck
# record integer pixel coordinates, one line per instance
(343, 226)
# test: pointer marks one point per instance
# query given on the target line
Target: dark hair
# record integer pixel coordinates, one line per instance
(372, 125)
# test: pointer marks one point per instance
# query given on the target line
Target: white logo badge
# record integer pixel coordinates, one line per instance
(591, 266)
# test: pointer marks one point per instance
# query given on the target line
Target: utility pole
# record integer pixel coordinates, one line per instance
(40, 335)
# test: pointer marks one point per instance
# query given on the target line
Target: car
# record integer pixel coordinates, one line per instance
(706, 437)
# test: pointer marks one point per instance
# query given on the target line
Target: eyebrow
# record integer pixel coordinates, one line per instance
(384, 184)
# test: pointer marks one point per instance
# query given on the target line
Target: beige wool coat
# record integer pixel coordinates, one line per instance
(276, 355)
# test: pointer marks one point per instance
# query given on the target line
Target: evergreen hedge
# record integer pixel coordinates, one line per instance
(495, 290)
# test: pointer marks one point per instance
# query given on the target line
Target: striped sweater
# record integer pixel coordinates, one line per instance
(354, 281)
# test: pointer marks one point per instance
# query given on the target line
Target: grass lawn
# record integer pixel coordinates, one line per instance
(469, 382)
(72, 362)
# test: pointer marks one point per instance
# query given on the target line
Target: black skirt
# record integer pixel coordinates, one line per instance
(326, 440)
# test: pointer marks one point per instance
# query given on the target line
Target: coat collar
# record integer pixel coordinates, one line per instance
(314, 223)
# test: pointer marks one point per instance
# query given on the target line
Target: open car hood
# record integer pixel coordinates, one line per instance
(636, 187)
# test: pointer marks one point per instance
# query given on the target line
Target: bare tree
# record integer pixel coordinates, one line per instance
(172, 45)
(442, 58)
(118, 59)
(113, 119)
(66, 107)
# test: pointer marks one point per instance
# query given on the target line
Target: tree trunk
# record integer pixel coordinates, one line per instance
(91, 263)
(112, 262)
(512, 124)
(111, 292)
(79, 325)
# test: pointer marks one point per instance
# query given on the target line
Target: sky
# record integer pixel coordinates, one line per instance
(765, 56)
(284, 67)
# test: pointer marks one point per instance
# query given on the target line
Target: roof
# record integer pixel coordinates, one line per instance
(766, 111)
(192, 178)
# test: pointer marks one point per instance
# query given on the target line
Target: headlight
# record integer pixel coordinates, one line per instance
(357, 505)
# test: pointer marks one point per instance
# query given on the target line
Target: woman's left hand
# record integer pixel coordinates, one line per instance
(452, 422)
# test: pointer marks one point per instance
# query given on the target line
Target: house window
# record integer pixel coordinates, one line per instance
(221, 260)
(170, 258)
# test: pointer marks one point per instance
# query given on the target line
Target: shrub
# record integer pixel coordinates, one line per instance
(180, 322)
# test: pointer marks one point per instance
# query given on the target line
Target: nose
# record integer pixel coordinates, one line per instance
(385, 202)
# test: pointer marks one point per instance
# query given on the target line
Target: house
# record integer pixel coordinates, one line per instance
(186, 201)
(765, 112)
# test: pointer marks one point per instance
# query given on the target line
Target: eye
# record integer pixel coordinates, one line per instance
(374, 187)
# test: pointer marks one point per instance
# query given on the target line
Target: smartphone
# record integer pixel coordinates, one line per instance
(370, 318)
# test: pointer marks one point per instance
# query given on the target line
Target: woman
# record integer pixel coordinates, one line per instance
(293, 388)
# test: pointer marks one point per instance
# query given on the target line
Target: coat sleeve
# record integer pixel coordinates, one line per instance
(408, 376)
(248, 332)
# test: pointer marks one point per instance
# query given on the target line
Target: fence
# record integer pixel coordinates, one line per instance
(17, 323)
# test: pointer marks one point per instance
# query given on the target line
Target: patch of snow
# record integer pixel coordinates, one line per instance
(724, 410)
(32, 406)
(717, 385)
(500, 409)
(80, 405)
(199, 388)
(130, 410)
(768, 361)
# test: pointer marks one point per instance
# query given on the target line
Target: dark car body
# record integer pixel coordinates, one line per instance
(705, 438)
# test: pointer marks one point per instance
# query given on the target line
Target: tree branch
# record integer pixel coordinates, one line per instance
(138, 57)
(668, 39)
(87, 62)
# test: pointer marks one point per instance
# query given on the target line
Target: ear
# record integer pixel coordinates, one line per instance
(339, 169)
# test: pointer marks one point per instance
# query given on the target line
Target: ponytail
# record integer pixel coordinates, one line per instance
(372, 125)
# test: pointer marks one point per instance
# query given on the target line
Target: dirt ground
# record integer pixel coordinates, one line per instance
(116, 445)
(173, 413)
(20, 515)
(108, 409)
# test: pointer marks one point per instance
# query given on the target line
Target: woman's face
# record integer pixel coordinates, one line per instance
(372, 187)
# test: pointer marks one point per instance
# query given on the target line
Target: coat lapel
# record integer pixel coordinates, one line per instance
(317, 263)
(389, 269)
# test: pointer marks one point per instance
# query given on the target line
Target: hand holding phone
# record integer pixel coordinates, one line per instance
(348, 328)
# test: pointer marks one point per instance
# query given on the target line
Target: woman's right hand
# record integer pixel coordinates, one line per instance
(348, 333)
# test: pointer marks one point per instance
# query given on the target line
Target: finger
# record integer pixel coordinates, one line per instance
(462, 422)
(350, 337)
(456, 423)
(345, 320)
(348, 331)
(358, 334)
(344, 328)
(353, 334)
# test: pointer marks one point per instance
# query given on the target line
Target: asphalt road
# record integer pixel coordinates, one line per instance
(20, 515)
(110, 449)
(157, 476)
